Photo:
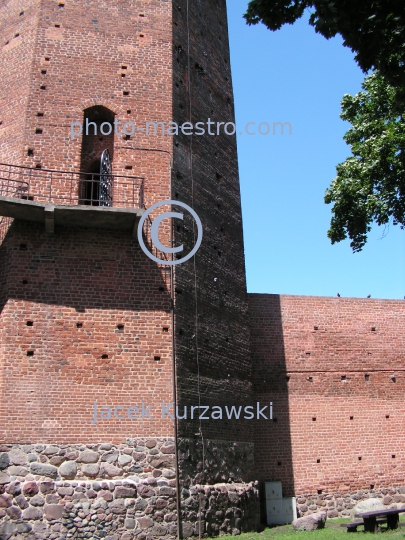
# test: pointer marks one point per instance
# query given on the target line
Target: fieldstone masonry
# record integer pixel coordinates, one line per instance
(339, 504)
(116, 492)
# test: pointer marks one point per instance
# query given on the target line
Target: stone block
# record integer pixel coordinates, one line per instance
(311, 522)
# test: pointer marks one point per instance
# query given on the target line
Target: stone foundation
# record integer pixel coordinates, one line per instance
(339, 504)
(115, 492)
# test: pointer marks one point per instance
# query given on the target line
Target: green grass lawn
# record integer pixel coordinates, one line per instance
(332, 531)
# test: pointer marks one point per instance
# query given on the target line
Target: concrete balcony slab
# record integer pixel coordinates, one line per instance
(97, 217)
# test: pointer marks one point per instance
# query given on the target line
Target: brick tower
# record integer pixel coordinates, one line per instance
(93, 332)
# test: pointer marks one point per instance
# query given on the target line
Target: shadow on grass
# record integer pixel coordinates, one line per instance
(332, 531)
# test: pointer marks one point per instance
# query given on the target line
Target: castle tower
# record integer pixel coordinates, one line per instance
(95, 335)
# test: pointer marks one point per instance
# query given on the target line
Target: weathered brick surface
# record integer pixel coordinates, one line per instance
(213, 290)
(62, 344)
(327, 364)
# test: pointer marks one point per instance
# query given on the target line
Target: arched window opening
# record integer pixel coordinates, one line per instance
(96, 157)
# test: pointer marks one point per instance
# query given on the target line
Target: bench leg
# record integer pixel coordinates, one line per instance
(392, 521)
(370, 524)
(352, 529)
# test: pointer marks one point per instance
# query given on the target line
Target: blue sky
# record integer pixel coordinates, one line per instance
(297, 76)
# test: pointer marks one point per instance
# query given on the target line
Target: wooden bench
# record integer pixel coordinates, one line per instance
(371, 519)
(352, 527)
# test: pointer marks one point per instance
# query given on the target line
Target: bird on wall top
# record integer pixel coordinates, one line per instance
(338, 295)
(369, 296)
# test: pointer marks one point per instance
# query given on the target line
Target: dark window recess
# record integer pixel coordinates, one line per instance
(38, 131)
(371, 486)
(359, 458)
(367, 377)
(319, 492)
(57, 25)
(275, 420)
(47, 59)
(125, 93)
(30, 152)
(79, 325)
(120, 327)
(199, 69)
(104, 356)
(387, 416)
(24, 282)
(30, 353)
(351, 418)
(373, 329)
(42, 87)
(21, 13)
(278, 463)
(40, 113)
(30, 323)
(318, 460)
(128, 167)
(161, 289)
(38, 166)
(43, 72)
(287, 378)
(165, 329)
(310, 379)
(314, 419)
(129, 111)
(316, 328)
(157, 358)
(343, 378)
(393, 456)
(23, 247)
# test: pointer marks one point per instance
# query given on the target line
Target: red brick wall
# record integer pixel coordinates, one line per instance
(80, 286)
(18, 24)
(351, 408)
(99, 279)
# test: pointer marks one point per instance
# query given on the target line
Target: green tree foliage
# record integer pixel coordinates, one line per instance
(373, 29)
(370, 185)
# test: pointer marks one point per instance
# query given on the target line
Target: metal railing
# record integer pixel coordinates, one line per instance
(70, 187)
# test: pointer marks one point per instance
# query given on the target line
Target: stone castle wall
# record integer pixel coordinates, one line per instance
(339, 504)
(118, 492)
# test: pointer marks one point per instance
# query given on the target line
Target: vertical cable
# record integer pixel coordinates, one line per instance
(194, 258)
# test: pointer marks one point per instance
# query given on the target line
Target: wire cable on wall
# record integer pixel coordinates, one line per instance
(194, 258)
